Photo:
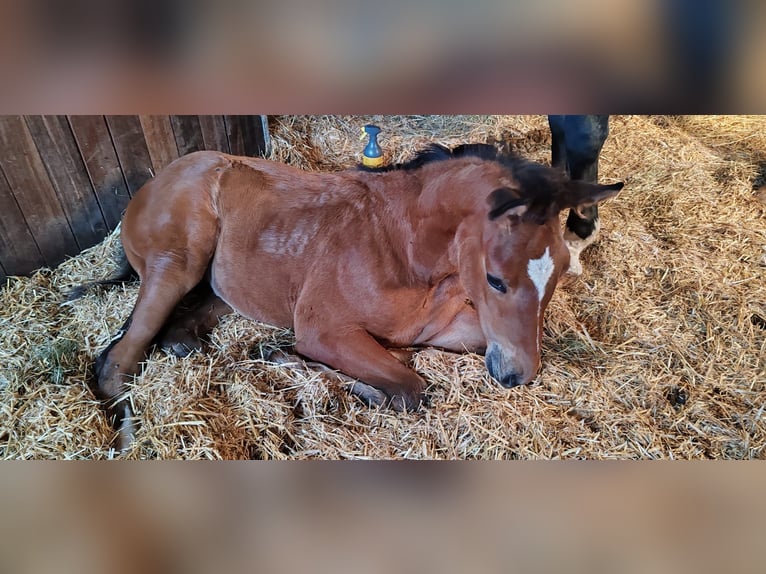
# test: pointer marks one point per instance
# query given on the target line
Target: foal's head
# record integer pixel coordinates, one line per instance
(518, 258)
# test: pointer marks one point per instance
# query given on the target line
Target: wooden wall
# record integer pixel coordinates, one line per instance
(65, 180)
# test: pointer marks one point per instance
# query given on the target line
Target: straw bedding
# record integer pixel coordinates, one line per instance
(657, 351)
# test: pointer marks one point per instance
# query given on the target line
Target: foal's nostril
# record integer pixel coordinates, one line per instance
(511, 380)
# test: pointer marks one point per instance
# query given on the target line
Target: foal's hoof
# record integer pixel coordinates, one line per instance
(125, 436)
(126, 431)
(377, 398)
(180, 342)
(370, 395)
(409, 403)
(282, 357)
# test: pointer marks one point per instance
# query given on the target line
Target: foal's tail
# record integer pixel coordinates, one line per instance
(123, 274)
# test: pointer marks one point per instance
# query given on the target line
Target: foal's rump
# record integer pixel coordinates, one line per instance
(172, 221)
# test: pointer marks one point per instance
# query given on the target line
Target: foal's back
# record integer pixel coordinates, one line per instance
(277, 229)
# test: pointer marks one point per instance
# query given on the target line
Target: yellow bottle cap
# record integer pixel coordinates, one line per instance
(372, 161)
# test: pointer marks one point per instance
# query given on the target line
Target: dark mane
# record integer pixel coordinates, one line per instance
(437, 152)
(539, 183)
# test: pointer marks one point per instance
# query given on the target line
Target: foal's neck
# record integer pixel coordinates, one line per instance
(443, 214)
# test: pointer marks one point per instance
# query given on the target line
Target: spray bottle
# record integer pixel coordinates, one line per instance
(372, 155)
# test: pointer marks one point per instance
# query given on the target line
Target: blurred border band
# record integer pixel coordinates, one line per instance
(174, 56)
(331, 517)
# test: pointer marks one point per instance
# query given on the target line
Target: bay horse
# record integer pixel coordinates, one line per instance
(458, 249)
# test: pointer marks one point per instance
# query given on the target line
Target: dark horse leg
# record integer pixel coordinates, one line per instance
(577, 143)
(192, 321)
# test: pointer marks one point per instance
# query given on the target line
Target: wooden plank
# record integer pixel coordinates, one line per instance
(188, 134)
(98, 153)
(235, 134)
(246, 135)
(19, 253)
(132, 152)
(214, 133)
(158, 133)
(36, 198)
(66, 170)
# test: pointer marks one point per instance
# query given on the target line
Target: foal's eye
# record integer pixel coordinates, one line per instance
(496, 283)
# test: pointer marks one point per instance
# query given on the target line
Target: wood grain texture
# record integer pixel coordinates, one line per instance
(188, 134)
(160, 140)
(28, 180)
(103, 167)
(66, 180)
(66, 170)
(246, 135)
(19, 253)
(132, 151)
(214, 133)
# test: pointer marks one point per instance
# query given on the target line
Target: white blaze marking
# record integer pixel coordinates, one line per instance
(540, 271)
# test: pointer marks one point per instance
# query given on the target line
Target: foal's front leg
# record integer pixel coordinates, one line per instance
(370, 395)
(356, 353)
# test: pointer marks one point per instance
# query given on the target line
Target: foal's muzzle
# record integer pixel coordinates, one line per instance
(511, 380)
(499, 368)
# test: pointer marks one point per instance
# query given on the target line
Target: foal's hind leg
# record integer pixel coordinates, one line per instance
(192, 320)
(164, 284)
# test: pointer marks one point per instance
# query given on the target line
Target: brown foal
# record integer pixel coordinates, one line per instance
(459, 249)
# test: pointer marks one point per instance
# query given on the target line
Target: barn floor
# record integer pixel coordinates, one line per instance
(657, 352)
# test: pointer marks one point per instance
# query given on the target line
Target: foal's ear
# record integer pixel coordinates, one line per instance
(578, 195)
(506, 201)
